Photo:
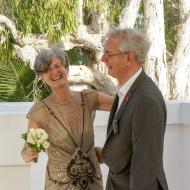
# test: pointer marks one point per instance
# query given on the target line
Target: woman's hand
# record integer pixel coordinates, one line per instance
(98, 151)
(28, 155)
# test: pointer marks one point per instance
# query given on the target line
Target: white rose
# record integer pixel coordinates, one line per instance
(45, 144)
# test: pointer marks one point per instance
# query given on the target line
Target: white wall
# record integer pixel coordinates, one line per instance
(15, 174)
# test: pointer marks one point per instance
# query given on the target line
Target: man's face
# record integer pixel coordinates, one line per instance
(114, 58)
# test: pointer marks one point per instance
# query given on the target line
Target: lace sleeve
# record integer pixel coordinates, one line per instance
(38, 114)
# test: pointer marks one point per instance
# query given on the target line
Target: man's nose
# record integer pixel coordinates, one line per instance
(104, 58)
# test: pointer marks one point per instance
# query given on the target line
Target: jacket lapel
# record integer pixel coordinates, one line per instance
(113, 122)
(112, 112)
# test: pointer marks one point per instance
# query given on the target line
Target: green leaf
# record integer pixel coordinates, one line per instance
(24, 136)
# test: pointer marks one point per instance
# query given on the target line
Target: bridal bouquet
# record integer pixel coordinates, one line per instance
(37, 139)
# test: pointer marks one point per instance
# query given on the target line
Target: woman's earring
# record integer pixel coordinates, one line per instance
(41, 77)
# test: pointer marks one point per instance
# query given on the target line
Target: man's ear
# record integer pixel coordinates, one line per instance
(131, 56)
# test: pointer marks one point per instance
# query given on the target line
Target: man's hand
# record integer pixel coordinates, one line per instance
(98, 151)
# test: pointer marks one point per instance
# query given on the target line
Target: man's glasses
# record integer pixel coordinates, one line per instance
(108, 55)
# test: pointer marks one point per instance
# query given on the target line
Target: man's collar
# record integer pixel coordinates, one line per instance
(124, 89)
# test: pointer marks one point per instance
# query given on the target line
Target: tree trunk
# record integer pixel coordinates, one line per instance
(130, 11)
(181, 60)
(156, 66)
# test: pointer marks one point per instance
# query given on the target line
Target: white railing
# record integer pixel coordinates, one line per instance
(15, 174)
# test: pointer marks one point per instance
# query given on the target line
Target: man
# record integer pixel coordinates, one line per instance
(133, 149)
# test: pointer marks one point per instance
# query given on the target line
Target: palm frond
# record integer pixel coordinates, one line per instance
(18, 82)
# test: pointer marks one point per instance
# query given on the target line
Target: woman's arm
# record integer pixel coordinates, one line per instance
(105, 101)
(28, 155)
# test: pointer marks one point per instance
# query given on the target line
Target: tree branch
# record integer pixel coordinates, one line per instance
(4, 21)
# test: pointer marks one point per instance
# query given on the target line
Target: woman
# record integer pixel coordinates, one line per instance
(67, 116)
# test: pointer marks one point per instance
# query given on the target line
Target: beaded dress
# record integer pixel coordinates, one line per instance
(72, 163)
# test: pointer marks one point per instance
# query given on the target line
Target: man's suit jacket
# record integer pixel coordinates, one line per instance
(133, 149)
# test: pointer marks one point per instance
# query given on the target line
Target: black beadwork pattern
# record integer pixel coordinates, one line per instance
(81, 170)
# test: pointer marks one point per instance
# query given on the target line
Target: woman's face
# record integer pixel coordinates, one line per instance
(56, 75)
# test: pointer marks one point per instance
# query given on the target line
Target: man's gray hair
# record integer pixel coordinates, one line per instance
(132, 40)
(43, 60)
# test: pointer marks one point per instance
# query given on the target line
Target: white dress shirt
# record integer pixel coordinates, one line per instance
(125, 88)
